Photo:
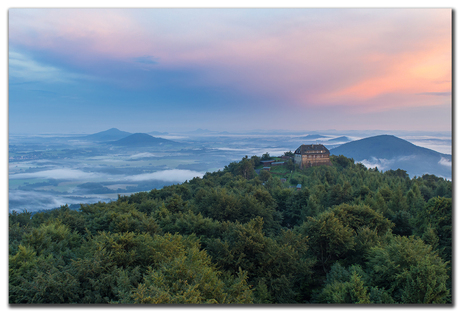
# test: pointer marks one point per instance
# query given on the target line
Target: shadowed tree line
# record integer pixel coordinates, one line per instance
(349, 235)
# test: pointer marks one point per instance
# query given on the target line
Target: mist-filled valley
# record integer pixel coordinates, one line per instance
(192, 155)
(47, 171)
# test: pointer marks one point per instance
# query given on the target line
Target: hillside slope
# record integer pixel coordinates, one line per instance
(142, 139)
(230, 238)
(339, 139)
(390, 152)
(314, 137)
(107, 135)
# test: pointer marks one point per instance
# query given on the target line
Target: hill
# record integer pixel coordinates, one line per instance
(142, 139)
(339, 139)
(108, 135)
(314, 137)
(390, 152)
(233, 236)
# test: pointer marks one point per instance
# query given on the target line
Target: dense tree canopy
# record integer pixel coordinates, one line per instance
(348, 235)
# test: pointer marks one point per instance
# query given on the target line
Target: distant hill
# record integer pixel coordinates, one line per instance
(339, 139)
(143, 139)
(314, 137)
(389, 152)
(108, 135)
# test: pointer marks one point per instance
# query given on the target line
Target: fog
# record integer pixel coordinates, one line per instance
(384, 164)
(46, 172)
(445, 162)
(59, 174)
(174, 175)
(34, 201)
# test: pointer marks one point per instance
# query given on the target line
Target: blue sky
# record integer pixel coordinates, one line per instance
(141, 70)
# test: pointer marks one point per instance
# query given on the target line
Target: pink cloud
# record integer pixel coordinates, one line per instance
(407, 73)
(406, 55)
(335, 57)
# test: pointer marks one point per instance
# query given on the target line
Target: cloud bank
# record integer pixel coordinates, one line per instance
(58, 174)
(383, 164)
(445, 162)
(173, 175)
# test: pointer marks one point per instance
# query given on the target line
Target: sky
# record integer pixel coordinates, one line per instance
(98, 103)
(142, 70)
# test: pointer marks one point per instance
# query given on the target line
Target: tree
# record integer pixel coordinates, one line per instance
(437, 217)
(264, 175)
(415, 201)
(344, 286)
(368, 227)
(290, 165)
(358, 216)
(281, 267)
(409, 270)
(190, 278)
(41, 279)
(329, 238)
(53, 238)
(226, 238)
(227, 204)
(246, 169)
(402, 221)
(296, 207)
(335, 195)
(255, 160)
(342, 161)
(398, 201)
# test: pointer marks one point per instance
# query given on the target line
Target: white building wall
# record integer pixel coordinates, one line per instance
(298, 159)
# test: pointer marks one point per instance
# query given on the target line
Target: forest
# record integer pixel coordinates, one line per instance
(349, 235)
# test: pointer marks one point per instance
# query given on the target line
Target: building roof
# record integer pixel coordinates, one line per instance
(311, 149)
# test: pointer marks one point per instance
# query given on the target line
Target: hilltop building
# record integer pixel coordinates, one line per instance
(312, 155)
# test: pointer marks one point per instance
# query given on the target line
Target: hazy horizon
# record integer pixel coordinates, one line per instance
(48, 171)
(161, 132)
(176, 70)
(257, 79)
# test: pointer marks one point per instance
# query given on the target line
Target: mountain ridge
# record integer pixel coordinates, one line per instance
(390, 152)
(142, 139)
(314, 137)
(111, 134)
(339, 139)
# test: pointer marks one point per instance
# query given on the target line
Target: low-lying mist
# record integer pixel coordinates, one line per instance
(47, 172)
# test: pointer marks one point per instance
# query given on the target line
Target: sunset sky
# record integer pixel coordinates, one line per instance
(141, 70)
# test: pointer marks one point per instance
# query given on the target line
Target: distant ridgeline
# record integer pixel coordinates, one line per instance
(390, 152)
(126, 139)
(329, 234)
